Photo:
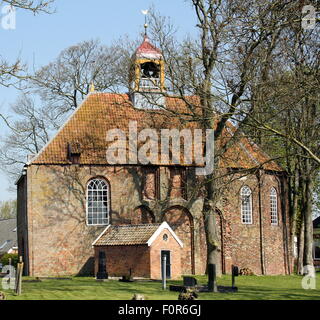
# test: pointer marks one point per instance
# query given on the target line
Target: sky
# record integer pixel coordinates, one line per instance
(38, 39)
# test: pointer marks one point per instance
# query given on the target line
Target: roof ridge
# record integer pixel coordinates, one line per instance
(136, 225)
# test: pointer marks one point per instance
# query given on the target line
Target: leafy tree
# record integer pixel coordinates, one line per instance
(8, 209)
(5, 259)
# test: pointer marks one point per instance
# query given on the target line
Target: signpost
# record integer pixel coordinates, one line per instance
(164, 275)
(19, 277)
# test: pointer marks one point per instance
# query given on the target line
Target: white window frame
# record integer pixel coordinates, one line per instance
(246, 209)
(102, 190)
(274, 207)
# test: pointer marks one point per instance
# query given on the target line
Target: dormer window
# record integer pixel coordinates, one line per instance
(74, 152)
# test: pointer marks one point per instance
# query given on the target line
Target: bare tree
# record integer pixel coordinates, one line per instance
(286, 121)
(28, 133)
(37, 6)
(65, 82)
(12, 73)
(226, 66)
(232, 52)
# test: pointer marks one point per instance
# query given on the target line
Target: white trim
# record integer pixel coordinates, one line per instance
(149, 55)
(102, 233)
(274, 206)
(60, 129)
(242, 214)
(109, 201)
(163, 226)
(23, 173)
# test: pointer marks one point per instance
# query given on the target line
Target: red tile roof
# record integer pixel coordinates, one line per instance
(87, 127)
(147, 48)
(127, 234)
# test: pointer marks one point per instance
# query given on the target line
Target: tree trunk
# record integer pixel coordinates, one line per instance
(308, 228)
(209, 214)
(213, 241)
(300, 248)
(293, 209)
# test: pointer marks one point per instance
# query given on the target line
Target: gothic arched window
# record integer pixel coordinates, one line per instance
(246, 205)
(98, 204)
(274, 206)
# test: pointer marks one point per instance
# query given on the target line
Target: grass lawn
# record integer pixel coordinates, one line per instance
(249, 287)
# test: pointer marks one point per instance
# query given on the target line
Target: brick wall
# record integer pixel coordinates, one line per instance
(251, 245)
(175, 255)
(120, 259)
(59, 241)
(181, 222)
(143, 261)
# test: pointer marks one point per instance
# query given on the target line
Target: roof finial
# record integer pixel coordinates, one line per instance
(145, 12)
(92, 88)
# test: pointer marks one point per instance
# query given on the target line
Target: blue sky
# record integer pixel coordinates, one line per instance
(37, 40)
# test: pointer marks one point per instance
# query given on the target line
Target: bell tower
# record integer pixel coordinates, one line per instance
(147, 77)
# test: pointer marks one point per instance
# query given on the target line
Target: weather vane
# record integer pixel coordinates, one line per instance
(145, 12)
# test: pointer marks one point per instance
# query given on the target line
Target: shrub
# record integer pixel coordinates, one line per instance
(5, 259)
(246, 272)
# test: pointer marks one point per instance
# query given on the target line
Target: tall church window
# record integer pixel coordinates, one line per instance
(246, 205)
(98, 203)
(274, 206)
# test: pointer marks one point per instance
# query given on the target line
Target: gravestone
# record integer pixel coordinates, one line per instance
(189, 281)
(235, 273)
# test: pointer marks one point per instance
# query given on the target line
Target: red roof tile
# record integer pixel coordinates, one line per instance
(127, 234)
(148, 49)
(87, 127)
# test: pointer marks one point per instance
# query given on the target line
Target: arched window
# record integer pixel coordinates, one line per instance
(246, 205)
(274, 206)
(98, 204)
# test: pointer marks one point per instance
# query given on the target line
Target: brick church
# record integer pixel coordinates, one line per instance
(68, 194)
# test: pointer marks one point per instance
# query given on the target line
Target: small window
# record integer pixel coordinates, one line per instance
(316, 250)
(274, 206)
(246, 205)
(98, 204)
(165, 237)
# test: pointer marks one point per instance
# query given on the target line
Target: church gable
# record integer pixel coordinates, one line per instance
(83, 137)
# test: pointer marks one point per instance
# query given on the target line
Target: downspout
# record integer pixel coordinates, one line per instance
(262, 258)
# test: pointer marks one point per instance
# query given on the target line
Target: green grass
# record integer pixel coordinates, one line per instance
(250, 287)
